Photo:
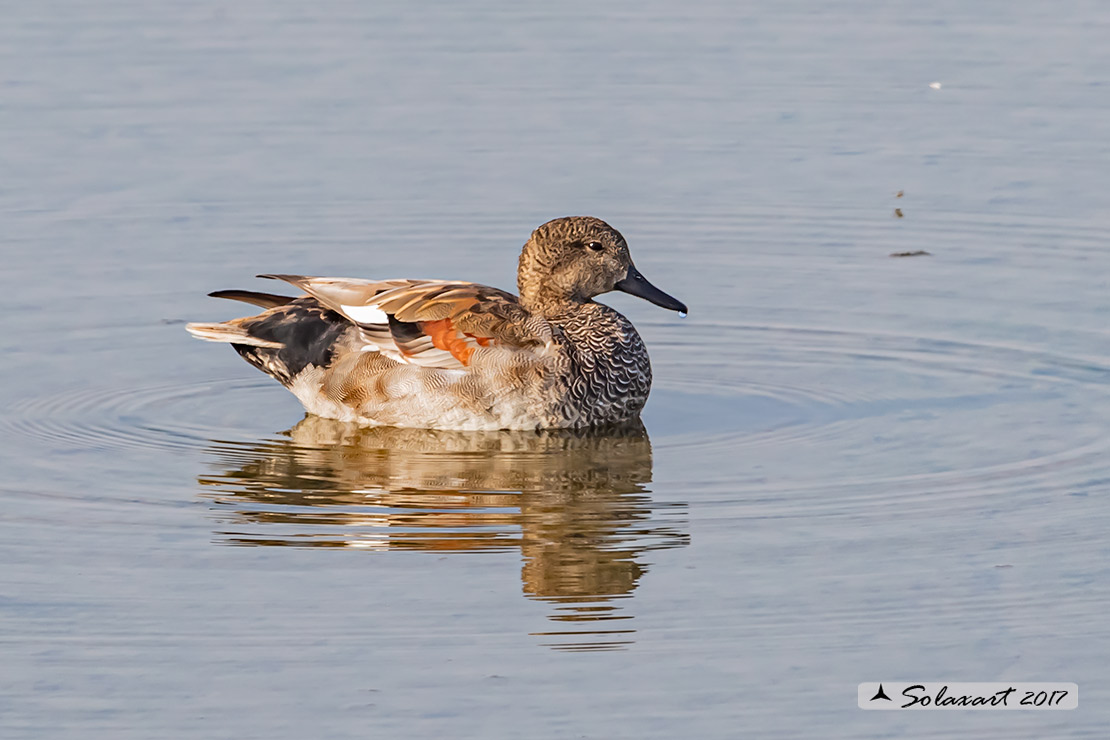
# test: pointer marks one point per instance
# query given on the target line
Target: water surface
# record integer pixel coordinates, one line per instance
(853, 467)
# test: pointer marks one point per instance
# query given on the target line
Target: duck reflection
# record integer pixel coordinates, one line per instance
(574, 503)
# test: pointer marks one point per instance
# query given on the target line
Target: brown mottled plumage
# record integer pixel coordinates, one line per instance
(452, 355)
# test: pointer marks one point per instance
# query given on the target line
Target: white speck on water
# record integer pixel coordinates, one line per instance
(934, 85)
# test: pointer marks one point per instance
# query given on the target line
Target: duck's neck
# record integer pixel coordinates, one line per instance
(544, 289)
(548, 300)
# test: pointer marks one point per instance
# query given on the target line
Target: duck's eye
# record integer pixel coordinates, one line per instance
(596, 246)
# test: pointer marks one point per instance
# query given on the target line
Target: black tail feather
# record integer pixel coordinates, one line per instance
(306, 332)
(262, 300)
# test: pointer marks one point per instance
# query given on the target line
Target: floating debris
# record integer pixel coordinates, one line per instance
(934, 85)
(915, 253)
(898, 213)
(900, 193)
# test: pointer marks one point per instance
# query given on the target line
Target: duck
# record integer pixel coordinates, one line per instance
(451, 355)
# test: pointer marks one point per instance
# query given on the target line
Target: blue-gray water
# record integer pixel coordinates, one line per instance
(855, 466)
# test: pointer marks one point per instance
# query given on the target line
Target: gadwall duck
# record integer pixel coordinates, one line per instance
(442, 354)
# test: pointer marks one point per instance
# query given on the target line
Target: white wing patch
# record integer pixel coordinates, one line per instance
(365, 314)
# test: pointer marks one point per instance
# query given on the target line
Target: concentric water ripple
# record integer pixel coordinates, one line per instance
(157, 417)
(776, 387)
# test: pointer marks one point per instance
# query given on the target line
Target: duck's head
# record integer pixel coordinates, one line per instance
(573, 259)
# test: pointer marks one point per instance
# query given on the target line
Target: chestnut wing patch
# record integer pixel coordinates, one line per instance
(444, 325)
(436, 343)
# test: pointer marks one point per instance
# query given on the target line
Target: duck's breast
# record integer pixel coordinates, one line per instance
(607, 370)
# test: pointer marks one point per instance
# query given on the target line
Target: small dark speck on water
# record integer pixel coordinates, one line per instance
(898, 213)
(173, 321)
(900, 193)
(915, 253)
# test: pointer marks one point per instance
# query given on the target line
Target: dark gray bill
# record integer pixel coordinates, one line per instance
(636, 284)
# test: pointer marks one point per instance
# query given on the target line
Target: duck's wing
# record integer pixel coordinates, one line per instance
(433, 323)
